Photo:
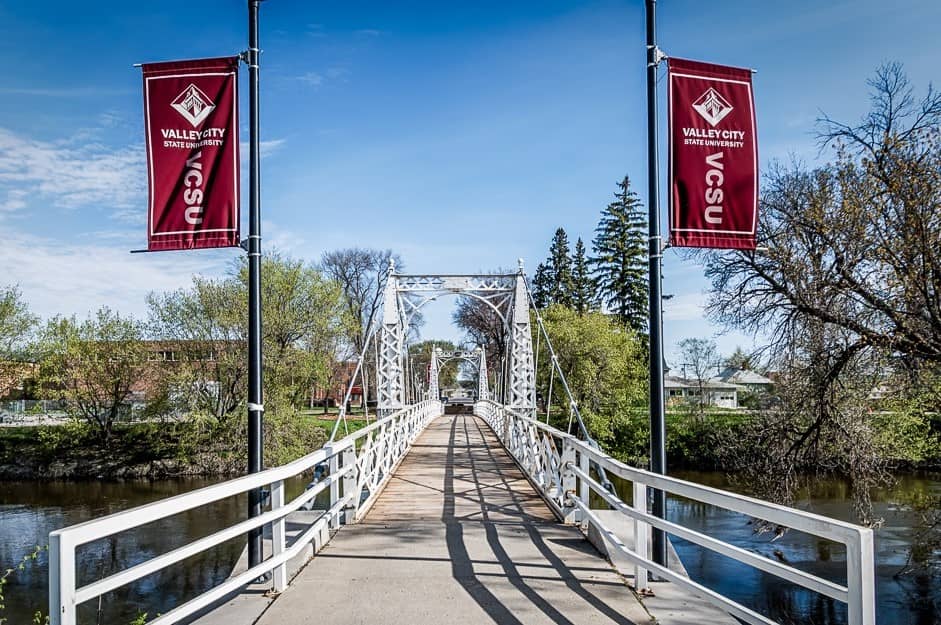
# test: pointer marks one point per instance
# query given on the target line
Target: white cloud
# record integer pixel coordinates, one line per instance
(77, 277)
(70, 176)
(266, 148)
(311, 78)
(685, 307)
(15, 200)
(285, 240)
(67, 92)
(318, 79)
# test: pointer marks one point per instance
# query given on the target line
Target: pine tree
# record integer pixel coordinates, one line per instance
(542, 282)
(583, 285)
(560, 270)
(620, 258)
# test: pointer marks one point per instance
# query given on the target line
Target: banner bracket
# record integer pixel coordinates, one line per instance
(658, 56)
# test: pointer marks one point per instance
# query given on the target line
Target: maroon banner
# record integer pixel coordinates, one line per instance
(713, 156)
(191, 122)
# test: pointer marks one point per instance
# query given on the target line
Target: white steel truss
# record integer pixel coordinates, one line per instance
(522, 386)
(405, 295)
(434, 368)
(477, 358)
(483, 387)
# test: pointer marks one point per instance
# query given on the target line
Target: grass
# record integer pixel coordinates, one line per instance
(317, 420)
(333, 412)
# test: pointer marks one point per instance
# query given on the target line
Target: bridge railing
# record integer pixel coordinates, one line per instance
(359, 466)
(560, 465)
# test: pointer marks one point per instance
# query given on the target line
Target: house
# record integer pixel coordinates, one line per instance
(333, 393)
(747, 380)
(16, 377)
(678, 391)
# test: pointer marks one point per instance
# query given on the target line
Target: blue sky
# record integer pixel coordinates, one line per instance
(458, 134)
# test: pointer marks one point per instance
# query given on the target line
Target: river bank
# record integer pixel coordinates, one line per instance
(152, 450)
(199, 448)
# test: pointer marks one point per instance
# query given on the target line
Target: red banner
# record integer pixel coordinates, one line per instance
(713, 156)
(191, 122)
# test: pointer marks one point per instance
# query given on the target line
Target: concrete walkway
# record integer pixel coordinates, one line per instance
(458, 536)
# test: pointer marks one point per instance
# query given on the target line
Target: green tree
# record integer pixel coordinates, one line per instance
(603, 363)
(420, 354)
(739, 360)
(583, 285)
(541, 285)
(560, 270)
(305, 320)
(94, 366)
(304, 323)
(620, 258)
(17, 326)
(205, 325)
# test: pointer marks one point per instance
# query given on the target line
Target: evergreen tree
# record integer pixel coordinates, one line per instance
(739, 360)
(542, 283)
(583, 285)
(620, 258)
(560, 270)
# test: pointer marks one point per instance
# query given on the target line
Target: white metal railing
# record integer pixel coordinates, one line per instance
(359, 466)
(560, 466)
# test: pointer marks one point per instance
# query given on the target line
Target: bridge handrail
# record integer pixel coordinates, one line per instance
(559, 465)
(362, 461)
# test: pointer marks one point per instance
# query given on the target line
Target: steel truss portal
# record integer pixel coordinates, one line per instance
(405, 295)
(477, 357)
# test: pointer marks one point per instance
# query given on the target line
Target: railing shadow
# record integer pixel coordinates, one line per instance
(479, 462)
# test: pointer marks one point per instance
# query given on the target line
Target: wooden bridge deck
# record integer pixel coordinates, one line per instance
(458, 536)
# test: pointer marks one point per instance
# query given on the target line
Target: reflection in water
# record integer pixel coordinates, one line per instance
(911, 600)
(30, 510)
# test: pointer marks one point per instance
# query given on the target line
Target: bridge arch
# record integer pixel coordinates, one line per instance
(506, 291)
(476, 357)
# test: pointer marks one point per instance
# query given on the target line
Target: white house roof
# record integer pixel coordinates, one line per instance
(672, 381)
(741, 376)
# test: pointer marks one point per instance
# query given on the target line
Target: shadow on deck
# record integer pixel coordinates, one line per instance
(458, 536)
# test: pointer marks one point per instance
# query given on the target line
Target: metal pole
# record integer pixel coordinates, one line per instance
(255, 398)
(658, 462)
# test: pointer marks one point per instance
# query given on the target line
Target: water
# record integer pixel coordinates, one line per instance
(906, 600)
(30, 510)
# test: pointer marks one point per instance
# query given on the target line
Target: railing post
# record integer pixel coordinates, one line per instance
(279, 574)
(641, 535)
(334, 464)
(350, 482)
(386, 459)
(61, 580)
(860, 579)
(583, 488)
(568, 481)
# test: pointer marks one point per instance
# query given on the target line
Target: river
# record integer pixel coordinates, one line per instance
(30, 510)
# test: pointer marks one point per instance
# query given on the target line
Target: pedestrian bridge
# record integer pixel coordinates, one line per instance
(494, 517)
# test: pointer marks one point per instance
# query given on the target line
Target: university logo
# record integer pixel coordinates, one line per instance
(712, 106)
(194, 105)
